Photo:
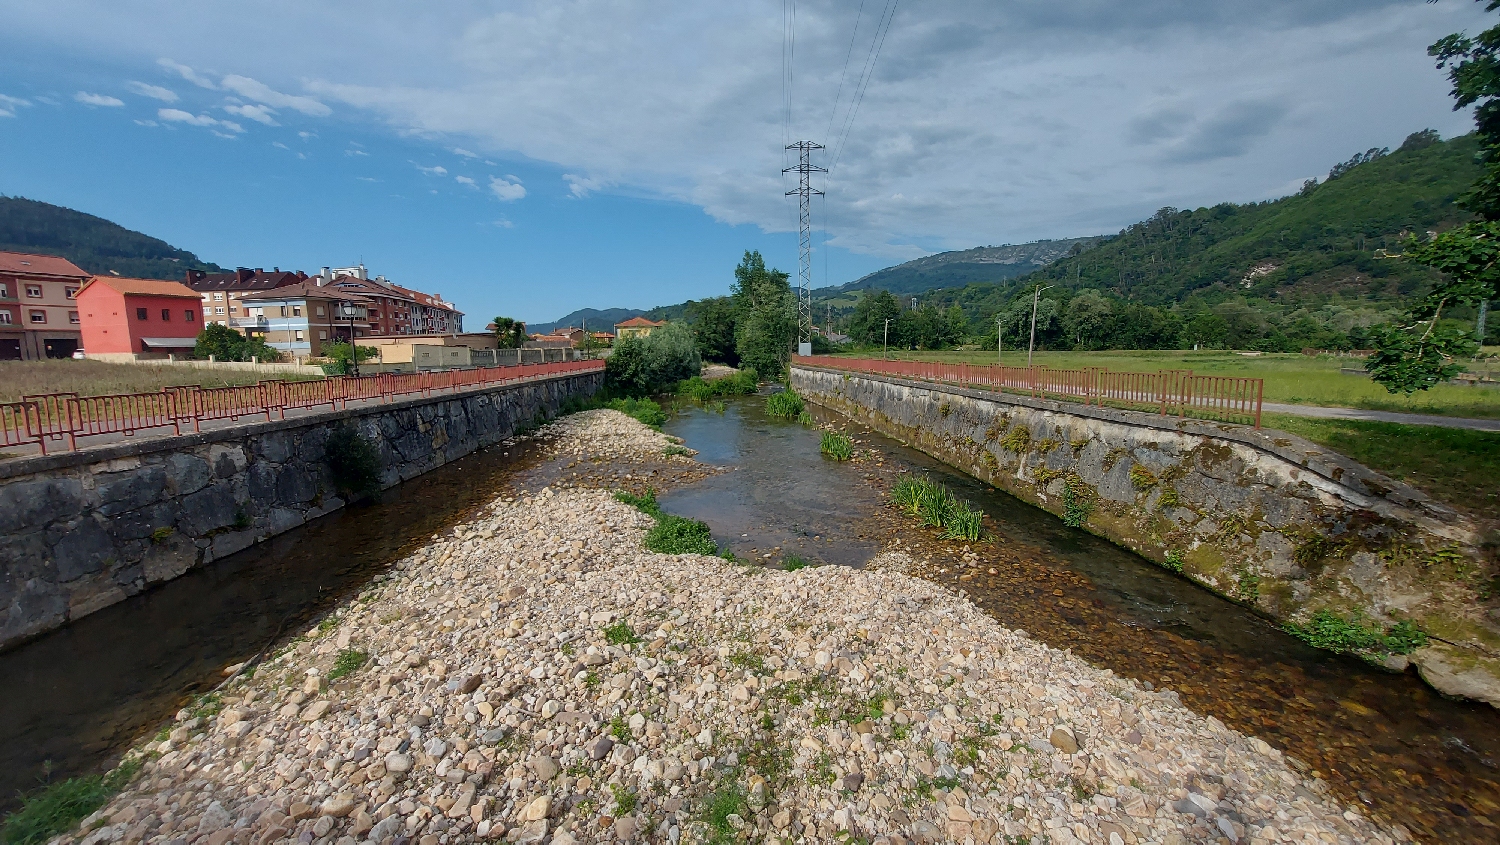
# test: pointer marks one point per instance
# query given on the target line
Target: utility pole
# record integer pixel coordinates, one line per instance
(804, 192)
(999, 340)
(886, 342)
(1035, 300)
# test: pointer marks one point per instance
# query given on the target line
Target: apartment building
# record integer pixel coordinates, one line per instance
(221, 292)
(302, 318)
(38, 314)
(125, 318)
(396, 310)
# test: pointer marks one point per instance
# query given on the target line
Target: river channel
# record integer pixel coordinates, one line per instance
(1384, 740)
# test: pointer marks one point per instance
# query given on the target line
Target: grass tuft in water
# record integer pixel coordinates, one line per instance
(836, 446)
(792, 563)
(936, 507)
(785, 404)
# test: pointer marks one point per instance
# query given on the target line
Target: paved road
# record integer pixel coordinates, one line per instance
(1381, 416)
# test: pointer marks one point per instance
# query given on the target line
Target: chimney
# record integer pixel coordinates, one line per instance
(363, 274)
(326, 277)
(243, 274)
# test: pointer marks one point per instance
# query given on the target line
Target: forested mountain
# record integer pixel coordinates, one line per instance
(1328, 238)
(963, 267)
(597, 320)
(93, 243)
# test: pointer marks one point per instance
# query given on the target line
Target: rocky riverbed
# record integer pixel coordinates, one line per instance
(535, 675)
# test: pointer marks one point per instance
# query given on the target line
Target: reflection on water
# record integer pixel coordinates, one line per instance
(1387, 741)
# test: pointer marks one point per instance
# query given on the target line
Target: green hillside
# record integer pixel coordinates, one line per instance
(597, 320)
(93, 243)
(963, 267)
(1326, 239)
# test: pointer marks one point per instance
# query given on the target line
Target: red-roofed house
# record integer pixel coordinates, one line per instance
(38, 318)
(637, 327)
(130, 317)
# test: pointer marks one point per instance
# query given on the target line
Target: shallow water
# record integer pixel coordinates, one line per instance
(1384, 740)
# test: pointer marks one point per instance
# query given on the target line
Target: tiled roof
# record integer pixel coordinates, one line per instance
(26, 264)
(141, 287)
(640, 322)
(242, 279)
(306, 290)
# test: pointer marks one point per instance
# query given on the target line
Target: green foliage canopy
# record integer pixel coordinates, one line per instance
(766, 320)
(226, 344)
(509, 332)
(641, 366)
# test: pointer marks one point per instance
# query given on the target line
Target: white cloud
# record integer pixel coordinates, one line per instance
(98, 99)
(503, 223)
(507, 191)
(464, 180)
(280, 145)
(433, 171)
(8, 105)
(180, 116)
(465, 153)
(582, 186)
(261, 93)
(994, 121)
(355, 153)
(146, 123)
(187, 73)
(306, 135)
(259, 114)
(155, 92)
(51, 101)
(367, 179)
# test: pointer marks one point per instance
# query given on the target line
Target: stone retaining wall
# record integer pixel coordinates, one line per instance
(1262, 517)
(80, 531)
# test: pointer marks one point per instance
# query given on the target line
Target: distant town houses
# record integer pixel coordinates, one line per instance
(570, 337)
(38, 315)
(637, 327)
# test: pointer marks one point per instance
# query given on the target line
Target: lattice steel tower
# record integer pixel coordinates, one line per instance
(804, 192)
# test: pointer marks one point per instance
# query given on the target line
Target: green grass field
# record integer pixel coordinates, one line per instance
(100, 378)
(1294, 379)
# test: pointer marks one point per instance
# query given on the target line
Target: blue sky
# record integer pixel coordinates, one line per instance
(531, 158)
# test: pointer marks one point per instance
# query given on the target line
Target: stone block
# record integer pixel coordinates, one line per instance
(33, 503)
(127, 491)
(212, 507)
(187, 474)
(227, 460)
(169, 559)
(81, 548)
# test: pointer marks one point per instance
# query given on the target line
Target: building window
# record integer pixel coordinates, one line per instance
(188, 315)
(218, 309)
(166, 315)
(73, 317)
(4, 291)
(140, 313)
(283, 310)
(4, 317)
(298, 335)
(71, 292)
(296, 311)
(34, 291)
(322, 335)
(219, 296)
(39, 316)
(320, 308)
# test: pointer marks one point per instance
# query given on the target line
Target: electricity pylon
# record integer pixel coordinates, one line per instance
(804, 192)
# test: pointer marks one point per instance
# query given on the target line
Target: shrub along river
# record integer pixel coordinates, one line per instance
(1384, 740)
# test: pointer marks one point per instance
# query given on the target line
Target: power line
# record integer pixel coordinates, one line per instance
(882, 28)
(848, 54)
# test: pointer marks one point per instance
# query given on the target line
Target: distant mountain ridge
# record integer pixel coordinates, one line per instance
(93, 243)
(964, 267)
(600, 320)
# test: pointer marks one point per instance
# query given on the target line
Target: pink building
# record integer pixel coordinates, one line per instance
(133, 317)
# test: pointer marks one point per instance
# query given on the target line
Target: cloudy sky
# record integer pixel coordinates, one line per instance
(527, 158)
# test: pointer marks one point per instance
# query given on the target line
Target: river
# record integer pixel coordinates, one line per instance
(1384, 740)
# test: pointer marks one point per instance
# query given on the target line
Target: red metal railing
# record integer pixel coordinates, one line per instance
(1179, 392)
(60, 419)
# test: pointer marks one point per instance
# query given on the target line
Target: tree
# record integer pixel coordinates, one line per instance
(340, 355)
(1205, 329)
(870, 313)
(226, 344)
(713, 321)
(766, 322)
(510, 333)
(641, 366)
(1421, 353)
(1086, 320)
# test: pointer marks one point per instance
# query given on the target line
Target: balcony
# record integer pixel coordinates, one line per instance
(250, 323)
